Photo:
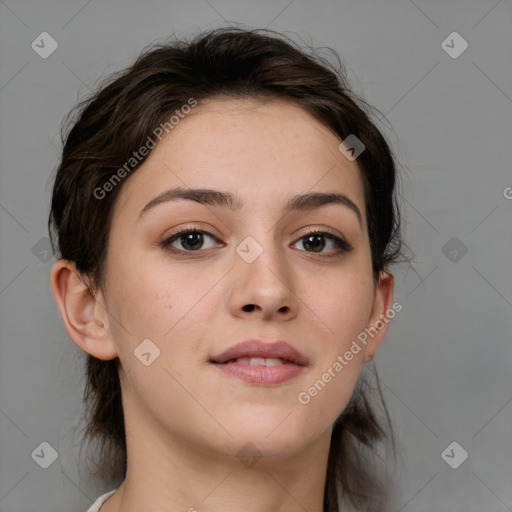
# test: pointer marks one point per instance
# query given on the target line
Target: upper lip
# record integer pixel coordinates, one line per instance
(258, 348)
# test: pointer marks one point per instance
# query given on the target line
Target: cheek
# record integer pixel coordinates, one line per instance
(149, 301)
(168, 310)
(151, 307)
(343, 306)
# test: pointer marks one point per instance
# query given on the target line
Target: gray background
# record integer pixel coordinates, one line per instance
(445, 364)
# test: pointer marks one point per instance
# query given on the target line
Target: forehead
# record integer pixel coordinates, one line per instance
(262, 150)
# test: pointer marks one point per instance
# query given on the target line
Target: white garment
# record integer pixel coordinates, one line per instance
(95, 507)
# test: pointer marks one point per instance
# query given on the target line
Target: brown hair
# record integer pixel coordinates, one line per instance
(118, 119)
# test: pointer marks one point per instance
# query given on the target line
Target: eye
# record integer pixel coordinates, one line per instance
(193, 240)
(317, 240)
(190, 239)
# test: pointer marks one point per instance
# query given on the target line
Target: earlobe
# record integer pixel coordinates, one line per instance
(84, 317)
(379, 317)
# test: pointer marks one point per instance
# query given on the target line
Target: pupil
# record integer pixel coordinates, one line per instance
(311, 242)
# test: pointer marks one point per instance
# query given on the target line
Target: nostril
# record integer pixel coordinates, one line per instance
(249, 307)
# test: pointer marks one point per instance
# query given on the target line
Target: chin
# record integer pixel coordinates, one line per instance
(267, 440)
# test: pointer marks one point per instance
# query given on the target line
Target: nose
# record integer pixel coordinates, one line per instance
(264, 287)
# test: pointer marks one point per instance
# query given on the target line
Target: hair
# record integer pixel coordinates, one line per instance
(104, 131)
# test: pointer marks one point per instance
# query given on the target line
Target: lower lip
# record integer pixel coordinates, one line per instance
(259, 374)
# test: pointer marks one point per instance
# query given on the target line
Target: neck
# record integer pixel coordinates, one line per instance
(167, 473)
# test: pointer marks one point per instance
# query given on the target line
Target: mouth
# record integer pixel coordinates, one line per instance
(261, 363)
(258, 361)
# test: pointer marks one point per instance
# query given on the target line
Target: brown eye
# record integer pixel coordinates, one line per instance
(189, 240)
(316, 241)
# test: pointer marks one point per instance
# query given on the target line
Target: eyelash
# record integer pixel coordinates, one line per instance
(340, 243)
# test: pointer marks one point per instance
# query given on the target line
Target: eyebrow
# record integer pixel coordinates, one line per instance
(205, 196)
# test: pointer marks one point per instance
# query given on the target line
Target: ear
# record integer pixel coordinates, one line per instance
(84, 316)
(380, 316)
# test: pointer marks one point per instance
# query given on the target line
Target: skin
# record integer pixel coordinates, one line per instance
(186, 421)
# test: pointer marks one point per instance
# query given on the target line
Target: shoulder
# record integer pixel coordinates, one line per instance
(97, 504)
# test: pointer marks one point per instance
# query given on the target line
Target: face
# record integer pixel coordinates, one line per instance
(250, 270)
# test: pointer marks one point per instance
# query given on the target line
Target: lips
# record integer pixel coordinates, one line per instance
(263, 350)
(261, 363)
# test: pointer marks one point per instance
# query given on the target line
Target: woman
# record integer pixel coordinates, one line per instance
(226, 218)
